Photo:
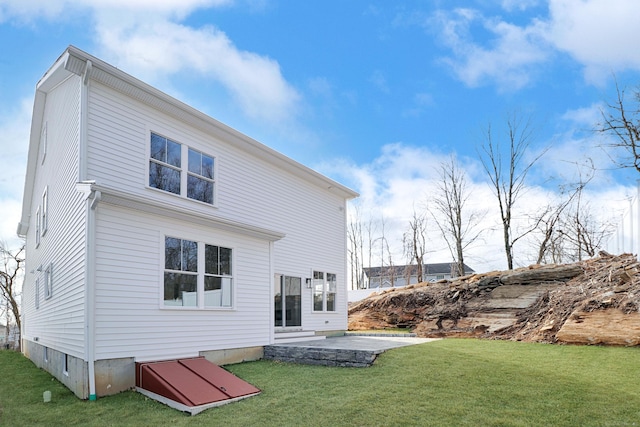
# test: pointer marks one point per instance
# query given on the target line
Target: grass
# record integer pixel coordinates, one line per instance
(442, 383)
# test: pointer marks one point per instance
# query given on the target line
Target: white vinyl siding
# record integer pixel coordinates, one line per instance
(58, 323)
(130, 318)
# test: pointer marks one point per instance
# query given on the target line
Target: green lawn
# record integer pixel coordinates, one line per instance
(442, 383)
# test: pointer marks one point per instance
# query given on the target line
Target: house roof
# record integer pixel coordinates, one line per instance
(74, 61)
(403, 270)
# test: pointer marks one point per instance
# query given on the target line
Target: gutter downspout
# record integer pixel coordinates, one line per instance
(92, 204)
(93, 197)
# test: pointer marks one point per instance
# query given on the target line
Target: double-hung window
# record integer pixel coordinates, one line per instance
(45, 211)
(217, 276)
(324, 291)
(197, 275)
(48, 281)
(178, 169)
(38, 226)
(165, 164)
(200, 177)
(181, 272)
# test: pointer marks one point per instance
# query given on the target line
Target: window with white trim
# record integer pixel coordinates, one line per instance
(45, 211)
(200, 177)
(324, 291)
(197, 275)
(38, 226)
(167, 165)
(217, 276)
(48, 281)
(180, 272)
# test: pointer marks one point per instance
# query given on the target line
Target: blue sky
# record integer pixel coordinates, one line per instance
(374, 94)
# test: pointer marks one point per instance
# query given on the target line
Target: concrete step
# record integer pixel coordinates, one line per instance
(296, 336)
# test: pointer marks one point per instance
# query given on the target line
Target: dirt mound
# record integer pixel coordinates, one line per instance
(591, 302)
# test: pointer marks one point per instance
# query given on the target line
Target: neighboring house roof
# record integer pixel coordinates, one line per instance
(75, 61)
(412, 270)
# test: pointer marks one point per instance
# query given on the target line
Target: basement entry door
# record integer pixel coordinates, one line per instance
(288, 302)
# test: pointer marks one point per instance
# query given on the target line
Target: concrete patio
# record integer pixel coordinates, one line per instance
(347, 351)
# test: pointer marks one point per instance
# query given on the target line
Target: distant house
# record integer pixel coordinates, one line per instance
(155, 232)
(403, 275)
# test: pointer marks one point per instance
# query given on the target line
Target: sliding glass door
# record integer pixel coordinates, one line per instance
(288, 301)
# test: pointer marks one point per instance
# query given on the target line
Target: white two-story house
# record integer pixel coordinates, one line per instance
(155, 232)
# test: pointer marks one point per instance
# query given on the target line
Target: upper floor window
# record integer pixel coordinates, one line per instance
(324, 291)
(38, 226)
(200, 179)
(45, 211)
(167, 163)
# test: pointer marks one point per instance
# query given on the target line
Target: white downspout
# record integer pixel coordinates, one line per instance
(90, 290)
(92, 202)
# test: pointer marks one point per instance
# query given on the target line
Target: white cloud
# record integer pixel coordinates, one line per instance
(602, 35)
(14, 137)
(162, 48)
(508, 57)
(147, 38)
(31, 10)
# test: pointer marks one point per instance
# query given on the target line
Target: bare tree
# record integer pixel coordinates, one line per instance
(582, 233)
(388, 269)
(415, 244)
(552, 218)
(356, 249)
(621, 119)
(457, 224)
(507, 176)
(12, 268)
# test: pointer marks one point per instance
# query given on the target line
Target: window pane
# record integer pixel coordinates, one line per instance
(195, 162)
(332, 285)
(158, 148)
(173, 153)
(331, 302)
(199, 189)
(180, 289)
(225, 261)
(211, 259)
(189, 255)
(217, 291)
(172, 254)
(317, 301)
(207, 167)
(164, 178)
